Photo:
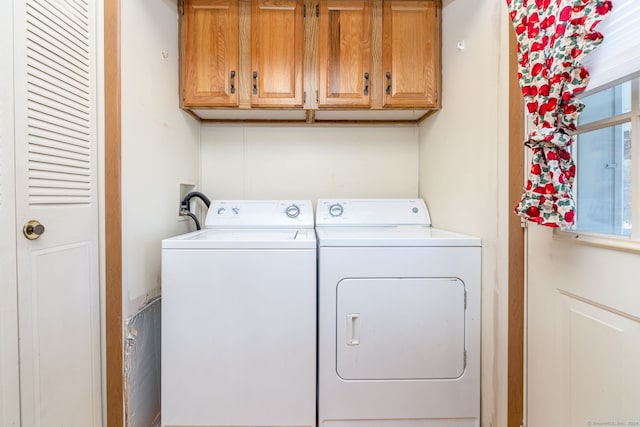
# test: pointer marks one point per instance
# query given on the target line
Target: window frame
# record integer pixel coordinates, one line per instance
(610, 241)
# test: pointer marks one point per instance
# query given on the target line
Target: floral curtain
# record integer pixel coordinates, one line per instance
(553, 37)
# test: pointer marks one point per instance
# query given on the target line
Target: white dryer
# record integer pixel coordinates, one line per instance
(239, 318)
(398, 317)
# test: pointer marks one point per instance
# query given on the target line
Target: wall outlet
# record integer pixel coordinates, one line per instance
(185, 189)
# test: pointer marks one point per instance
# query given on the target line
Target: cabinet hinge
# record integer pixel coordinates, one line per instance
(182, 7)
(317, 11)
(316, 97)
(304, 11)
(304, 97)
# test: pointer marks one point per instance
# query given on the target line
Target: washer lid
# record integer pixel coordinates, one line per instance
(401, 235)
(243, 239)
(292, 214)
(364, 212)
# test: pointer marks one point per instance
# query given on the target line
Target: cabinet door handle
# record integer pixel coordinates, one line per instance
(388, 75)
(233, 81)
(255, 82)
(366, 84)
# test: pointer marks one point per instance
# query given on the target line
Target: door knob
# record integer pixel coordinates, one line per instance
(33, 229)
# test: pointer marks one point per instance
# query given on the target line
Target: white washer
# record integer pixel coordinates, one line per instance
(399, 317)
(239, 318)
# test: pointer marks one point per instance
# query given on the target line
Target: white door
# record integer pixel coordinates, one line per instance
(583, 333)
(55, 141)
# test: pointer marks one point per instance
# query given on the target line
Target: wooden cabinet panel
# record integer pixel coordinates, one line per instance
(345, 53)
(209, 56)
(276, 53)
(411, 53)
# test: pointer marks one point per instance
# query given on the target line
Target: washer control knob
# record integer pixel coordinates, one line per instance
(221, 211)
(415, 210)
(292, 211)
(236, 210)
(336, 210)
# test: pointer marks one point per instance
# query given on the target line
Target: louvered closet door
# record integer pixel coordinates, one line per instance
(56, 184)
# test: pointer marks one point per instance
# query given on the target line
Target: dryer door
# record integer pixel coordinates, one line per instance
(400, 328)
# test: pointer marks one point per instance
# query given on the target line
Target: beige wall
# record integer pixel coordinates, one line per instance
(160, 144)
(464, 170)
(276, 162)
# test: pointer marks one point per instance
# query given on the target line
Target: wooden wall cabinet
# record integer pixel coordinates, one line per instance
(240, 54)
(209, 53)
(344, 53)
(310, 60)
(276, 53)
(411, 53)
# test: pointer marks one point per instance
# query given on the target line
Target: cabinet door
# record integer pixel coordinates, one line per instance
(411, 53)
(276, 53)
(209, 32)
(344, 53)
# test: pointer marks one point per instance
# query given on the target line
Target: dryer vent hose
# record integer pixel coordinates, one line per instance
(186, 202)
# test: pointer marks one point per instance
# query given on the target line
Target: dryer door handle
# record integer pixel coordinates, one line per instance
(353, 329)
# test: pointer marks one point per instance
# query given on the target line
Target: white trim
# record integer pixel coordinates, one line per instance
(605, 241)
(635, 160)
(9, 356)
(632, 117)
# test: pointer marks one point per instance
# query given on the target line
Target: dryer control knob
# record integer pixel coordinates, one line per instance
(292, 211)
(336, 210)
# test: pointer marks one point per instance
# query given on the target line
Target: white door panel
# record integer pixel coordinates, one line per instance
(400, 328)
(583, 334)
(60, 366)
(56, 184)
(600, 351)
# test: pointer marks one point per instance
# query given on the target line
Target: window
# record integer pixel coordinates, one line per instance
(604, 151)
(606, 146)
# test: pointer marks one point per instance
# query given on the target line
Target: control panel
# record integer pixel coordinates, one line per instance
(372, 212)
(260, 213)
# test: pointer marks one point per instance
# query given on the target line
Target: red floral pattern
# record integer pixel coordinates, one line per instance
(553, 38)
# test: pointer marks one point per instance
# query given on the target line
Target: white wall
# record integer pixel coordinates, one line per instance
(464, 169)
(160, 144)
(160, 150)
(309, 162)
